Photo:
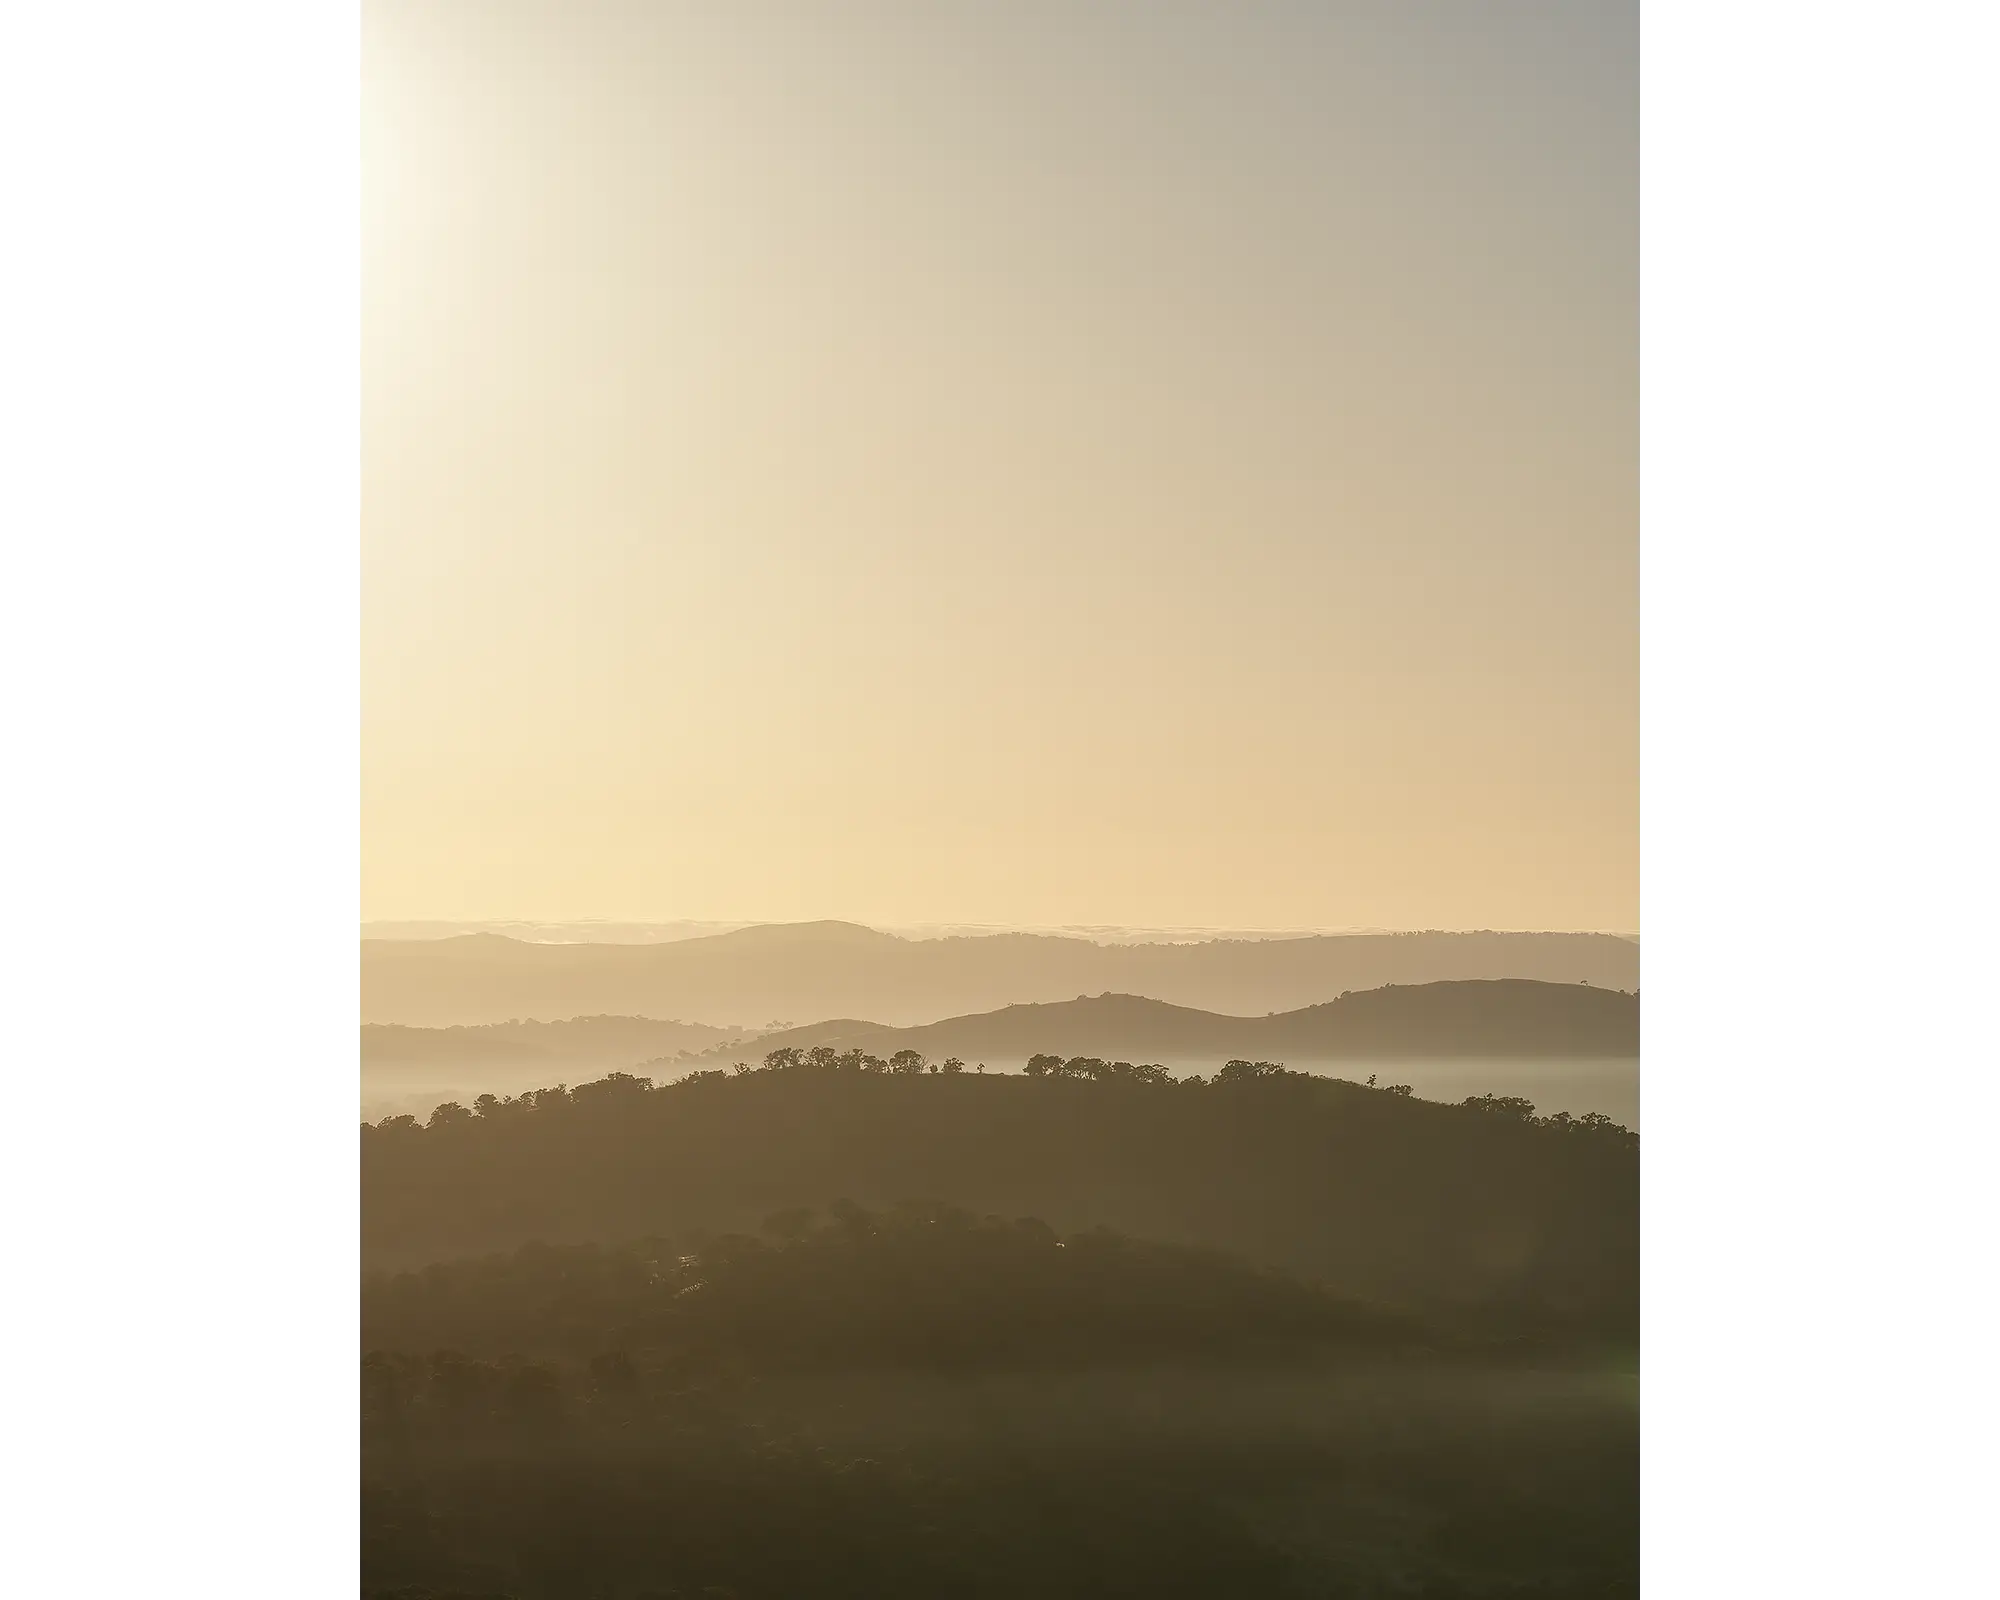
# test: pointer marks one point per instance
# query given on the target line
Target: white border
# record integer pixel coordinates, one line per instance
(179, 661)
(1819, 270)
(178, 372)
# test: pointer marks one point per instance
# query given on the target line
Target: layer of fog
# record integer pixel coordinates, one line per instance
(1350, 1398)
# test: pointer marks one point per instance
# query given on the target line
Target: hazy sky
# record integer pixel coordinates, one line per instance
(1029, 463)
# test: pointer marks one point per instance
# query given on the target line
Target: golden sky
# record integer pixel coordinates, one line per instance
(1060, 462)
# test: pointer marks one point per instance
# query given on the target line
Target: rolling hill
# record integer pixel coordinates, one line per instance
(1383, 1198)
(1487, 1018)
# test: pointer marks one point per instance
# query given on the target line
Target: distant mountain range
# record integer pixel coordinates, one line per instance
(600, 1043)
(1492, 1018)
(840, 969)
(555, 932)
(603, 932)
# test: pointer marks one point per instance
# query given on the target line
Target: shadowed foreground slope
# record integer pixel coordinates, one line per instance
(922, 1403)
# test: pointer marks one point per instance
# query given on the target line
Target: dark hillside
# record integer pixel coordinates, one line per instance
(1384, 1198)
(922, 1287)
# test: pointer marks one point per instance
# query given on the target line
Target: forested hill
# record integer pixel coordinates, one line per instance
(805, 971)
(1490, 1018)
(922, 1286)
(1384, 1198)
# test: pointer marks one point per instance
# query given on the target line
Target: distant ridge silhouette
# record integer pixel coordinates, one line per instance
(1481, 1017)
(799, 971)
(598, 1043)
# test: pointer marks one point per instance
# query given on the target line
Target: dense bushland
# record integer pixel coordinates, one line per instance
(1383, 1198)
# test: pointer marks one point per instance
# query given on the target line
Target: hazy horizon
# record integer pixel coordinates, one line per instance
(663, 930)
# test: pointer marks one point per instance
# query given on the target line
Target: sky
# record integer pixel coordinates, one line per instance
(1047, 463)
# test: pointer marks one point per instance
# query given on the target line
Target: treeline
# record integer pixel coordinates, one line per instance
(1385, 1198)
(1522, 1110)
(826, 1061)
